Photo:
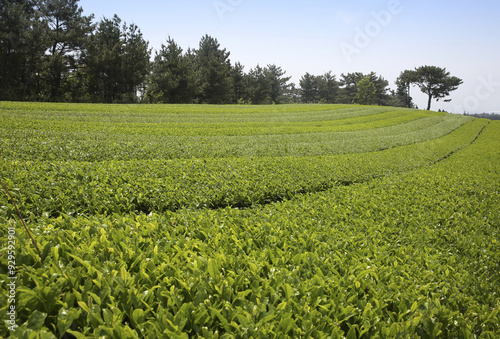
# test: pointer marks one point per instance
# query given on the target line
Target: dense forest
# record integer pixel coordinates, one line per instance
(50, 51)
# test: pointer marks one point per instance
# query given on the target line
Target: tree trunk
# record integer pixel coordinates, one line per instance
(408, 97)
(429, 102)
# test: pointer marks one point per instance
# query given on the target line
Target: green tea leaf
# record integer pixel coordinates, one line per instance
(212, 268)
(36, 320)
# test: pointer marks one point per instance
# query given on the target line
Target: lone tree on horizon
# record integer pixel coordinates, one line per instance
(436, 82)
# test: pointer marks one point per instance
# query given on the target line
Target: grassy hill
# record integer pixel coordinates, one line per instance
(250, 221)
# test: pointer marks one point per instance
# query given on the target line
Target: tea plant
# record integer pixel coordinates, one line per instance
(399, 242)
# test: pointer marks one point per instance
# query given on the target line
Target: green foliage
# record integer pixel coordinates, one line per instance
(366, 242)
(171, 79)
(66, 35)
(349, 88)
(404, 82)
(22, 48)
(214, 70)
(77, 176)
(366, 92)
(436, 82)
(319, 89)
(309, 89)
(117, 60)
(266, 85)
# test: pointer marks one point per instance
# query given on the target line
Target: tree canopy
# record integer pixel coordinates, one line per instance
(436, 82)
(367, 93)
(403, 83)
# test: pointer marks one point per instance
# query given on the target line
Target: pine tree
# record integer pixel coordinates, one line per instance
(403, 83)
(117, 61)
(436, 82)
(22, 47)
(172, 79)
(278, 83)
(67, 30)
(328, 88)
(309, 90)
(214, 69)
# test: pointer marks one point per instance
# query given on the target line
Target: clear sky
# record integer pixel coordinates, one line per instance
(316, 36)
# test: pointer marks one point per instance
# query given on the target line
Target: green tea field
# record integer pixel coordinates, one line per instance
(279, 221)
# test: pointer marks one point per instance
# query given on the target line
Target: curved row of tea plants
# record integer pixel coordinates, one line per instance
(414, 254)
(74, 188)
(147, 125)
(186, 114)
(52, 135)
(57, 146)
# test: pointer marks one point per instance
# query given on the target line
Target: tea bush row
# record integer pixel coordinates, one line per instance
(82, 135)
(74, 188)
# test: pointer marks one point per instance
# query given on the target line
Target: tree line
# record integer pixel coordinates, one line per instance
(50, 51)
(491, 116)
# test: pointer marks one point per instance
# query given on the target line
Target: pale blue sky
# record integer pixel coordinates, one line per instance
(315, 36)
